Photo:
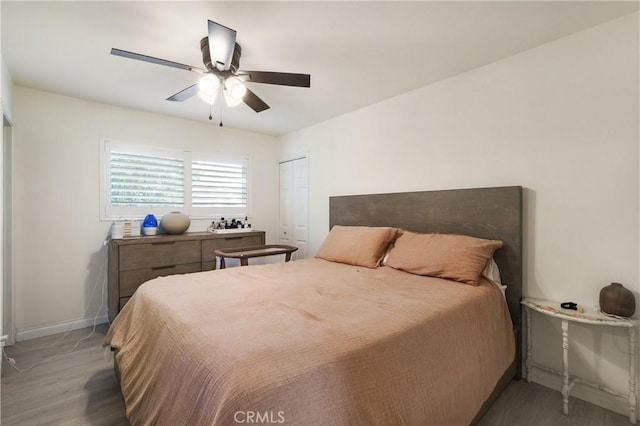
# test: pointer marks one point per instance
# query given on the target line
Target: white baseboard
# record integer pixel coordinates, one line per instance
(585, 393)
(62, 327)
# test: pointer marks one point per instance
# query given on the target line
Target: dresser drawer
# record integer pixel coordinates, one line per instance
(153, 255)
(131, 280)
(123, 301)
(208, 246)
(135, 260)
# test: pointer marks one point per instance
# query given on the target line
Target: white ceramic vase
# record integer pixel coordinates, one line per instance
(175, 223)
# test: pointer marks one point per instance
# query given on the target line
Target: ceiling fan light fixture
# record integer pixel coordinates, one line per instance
(208, 85)
(236, 89)
(230, 101)
(209, 99)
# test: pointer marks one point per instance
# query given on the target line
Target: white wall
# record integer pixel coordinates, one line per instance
(59, 253)
(560, 120)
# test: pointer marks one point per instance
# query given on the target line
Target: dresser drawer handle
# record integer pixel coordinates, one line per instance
(234, 238)
(155, 268)
(163, 243)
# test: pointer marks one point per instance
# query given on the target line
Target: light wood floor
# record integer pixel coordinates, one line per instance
(80, 389)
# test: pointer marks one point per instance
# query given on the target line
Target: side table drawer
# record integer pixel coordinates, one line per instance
(131, 280)
(153, 255)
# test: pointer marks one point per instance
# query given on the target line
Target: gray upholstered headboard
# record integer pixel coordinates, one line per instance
(492, 213)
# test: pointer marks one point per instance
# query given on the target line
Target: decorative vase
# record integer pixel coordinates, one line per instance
(615, 299)
(175, 223)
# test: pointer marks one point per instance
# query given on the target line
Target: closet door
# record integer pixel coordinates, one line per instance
(294, 205)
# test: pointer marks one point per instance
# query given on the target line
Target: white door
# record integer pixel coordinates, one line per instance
(294, 205)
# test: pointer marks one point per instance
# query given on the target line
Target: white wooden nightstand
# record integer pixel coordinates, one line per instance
(589, 316)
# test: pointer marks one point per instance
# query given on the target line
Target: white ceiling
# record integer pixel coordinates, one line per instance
(357, 53)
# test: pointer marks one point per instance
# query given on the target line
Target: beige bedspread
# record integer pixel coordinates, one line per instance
(310, 342)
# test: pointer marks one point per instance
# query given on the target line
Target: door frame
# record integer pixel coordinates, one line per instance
(6, 236)
(287, 159)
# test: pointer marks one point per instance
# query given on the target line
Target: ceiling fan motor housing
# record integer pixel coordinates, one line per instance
(206, 56)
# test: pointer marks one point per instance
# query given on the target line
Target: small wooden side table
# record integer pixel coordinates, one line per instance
(589, 316)
(245, 253)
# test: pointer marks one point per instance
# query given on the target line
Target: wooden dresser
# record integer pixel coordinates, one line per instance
(134, 260)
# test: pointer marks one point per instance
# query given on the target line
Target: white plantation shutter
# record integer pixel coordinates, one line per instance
(146, 181)
(222, 185)
(138, 180)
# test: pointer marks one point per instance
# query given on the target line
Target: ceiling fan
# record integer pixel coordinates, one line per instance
(221, 57)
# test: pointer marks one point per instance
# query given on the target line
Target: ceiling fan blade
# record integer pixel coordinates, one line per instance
(151, 59)
(281, 78)
(254, 102)
(185, 94)
(222, 41)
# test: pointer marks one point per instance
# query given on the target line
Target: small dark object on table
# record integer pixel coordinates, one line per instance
(569, 305)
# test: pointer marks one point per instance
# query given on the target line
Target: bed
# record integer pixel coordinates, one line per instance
(316, 341)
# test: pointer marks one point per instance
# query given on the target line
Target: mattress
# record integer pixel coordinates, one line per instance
(310, 342)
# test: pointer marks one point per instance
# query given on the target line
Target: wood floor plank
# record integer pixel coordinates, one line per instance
(80, 388)
(530, 404)
(77, 388)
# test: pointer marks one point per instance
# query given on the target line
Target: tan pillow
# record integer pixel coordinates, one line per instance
(455, 257)
(357, 245)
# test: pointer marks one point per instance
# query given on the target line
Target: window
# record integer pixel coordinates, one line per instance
(138, 180)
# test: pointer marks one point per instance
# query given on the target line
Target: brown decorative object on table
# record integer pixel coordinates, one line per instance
(615, 299)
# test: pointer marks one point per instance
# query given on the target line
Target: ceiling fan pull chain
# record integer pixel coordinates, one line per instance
(210, 117)
(220, 103)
